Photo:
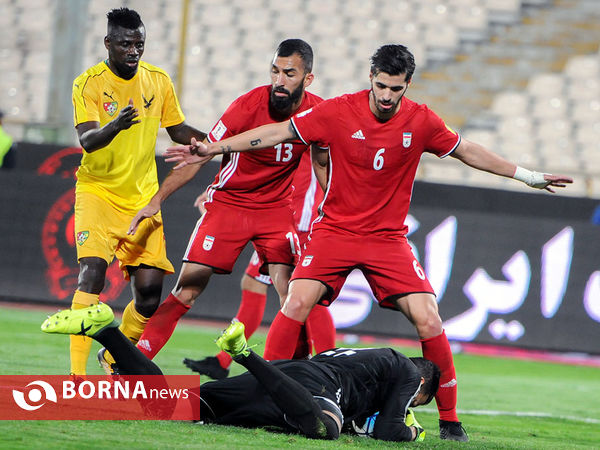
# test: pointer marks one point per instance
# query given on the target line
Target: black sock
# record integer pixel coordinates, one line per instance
(127, 356)
(296, 402)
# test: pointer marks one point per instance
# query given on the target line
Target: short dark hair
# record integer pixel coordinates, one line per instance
(393, 59)
(124, 17)
(304, 50)
(431, 373)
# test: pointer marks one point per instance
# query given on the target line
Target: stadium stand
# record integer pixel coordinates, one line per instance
(519, 75)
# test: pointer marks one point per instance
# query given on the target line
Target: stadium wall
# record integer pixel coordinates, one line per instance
(509, 268)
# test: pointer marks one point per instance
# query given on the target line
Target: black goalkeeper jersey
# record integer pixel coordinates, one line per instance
(371, 380)
(360, 381)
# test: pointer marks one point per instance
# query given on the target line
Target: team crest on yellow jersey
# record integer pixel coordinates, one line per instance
(110, 107)
(82, 237)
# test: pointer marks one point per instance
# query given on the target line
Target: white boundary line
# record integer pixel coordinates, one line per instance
(484, 412)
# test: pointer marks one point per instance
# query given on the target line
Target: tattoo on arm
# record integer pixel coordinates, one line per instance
(255, 142)
(226, 150)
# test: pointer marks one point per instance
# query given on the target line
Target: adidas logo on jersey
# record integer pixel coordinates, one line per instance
(145, 344)
(358, 135)
(449, 384)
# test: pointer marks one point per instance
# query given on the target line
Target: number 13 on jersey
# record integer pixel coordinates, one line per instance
(284, 152)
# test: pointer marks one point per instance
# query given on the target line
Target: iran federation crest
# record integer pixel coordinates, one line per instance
(406, 139)
(307, 260)
(110, 107)
(82, 237)
(208, 242)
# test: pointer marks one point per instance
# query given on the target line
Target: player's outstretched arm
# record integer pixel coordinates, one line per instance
(92, 137)
(255, 139)
(481, 158)
(200, 200)
(183, 133)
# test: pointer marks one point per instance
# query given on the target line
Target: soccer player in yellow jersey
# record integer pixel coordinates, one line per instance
(119, 105)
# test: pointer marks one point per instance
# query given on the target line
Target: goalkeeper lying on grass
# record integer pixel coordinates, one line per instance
(320, 397)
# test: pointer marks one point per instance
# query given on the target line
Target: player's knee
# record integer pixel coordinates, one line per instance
(297, 307)
(191, 283)
(429, 326)
(92, 272)
(147, 303)
(187, 296)
(250, 284)
(332, 429)
(331, 418)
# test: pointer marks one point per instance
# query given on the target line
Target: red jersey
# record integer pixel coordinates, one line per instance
(372, 164)
(257, 179)
(306, 196)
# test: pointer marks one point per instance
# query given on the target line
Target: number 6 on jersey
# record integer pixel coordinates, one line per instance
(378, 160)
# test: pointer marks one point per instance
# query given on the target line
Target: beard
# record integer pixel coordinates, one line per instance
(125, 71)
(378, 104)
(283, 105)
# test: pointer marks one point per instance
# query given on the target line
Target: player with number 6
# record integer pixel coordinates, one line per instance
(375, 140)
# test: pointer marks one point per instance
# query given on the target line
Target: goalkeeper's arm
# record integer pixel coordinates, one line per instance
(390, 424)
(411, 421)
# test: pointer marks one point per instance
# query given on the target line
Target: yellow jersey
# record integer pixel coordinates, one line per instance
(124, 172)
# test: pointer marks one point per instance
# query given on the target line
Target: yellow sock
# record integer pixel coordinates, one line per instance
(81, 345)
(132, 326)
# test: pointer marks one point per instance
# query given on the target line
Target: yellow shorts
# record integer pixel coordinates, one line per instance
(101, 231)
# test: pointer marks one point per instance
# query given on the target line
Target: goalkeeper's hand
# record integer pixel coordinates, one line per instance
(411, 421)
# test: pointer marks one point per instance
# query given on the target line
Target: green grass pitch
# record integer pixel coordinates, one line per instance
(503, 403)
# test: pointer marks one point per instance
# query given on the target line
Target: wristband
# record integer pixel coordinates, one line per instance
(533, 179)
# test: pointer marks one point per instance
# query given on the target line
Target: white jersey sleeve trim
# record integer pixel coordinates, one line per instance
(297, 132)
(453, 148)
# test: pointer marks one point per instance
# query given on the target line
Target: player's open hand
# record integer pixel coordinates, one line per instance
(199, 203)
(195, 153)
(552, 181)
(127, 116)
(147, 211)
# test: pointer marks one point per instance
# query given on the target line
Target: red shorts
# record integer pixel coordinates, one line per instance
(303, 239)
(388, 265)
(252, 270)
(256, 263)
(224, 230)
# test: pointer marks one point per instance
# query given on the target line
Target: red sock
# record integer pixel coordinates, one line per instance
(161, 325)
(320, 328)
(437, 350)
(250, 313)
(282, 337)
(303, 347)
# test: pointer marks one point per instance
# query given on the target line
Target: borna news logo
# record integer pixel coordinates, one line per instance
(35, 396)
(96, 397)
